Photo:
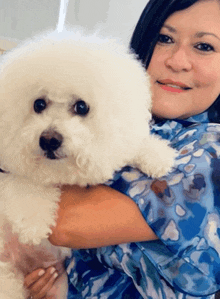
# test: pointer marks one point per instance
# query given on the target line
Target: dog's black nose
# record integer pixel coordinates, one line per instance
(50, 141)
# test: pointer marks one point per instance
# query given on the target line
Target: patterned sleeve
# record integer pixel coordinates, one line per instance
(183, 210)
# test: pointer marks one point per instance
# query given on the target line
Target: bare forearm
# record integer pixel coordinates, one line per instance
(96, 217)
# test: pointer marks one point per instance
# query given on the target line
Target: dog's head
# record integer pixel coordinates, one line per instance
(72, 108)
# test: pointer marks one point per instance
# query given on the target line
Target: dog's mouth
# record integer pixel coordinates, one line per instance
(51, 155)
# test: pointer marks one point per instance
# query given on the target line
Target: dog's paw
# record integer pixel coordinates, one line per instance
(33, 233)
(164, 162)
(33, 236)
(157, 159)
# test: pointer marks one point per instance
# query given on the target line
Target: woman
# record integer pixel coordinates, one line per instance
(167, 229)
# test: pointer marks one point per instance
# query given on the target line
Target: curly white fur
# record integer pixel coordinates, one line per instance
(63, 69)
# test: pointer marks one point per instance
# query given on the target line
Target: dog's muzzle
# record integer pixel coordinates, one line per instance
(50, 141)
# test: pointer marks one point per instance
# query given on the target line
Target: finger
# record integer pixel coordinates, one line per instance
(33, 277)
(60, 267)
(43, 284)
(43, 293)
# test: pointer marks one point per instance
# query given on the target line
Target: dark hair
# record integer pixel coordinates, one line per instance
(147, 31)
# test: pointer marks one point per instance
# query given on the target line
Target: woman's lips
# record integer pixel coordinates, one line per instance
(173, 86)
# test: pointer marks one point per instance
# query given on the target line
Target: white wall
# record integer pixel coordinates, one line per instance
(20, 19)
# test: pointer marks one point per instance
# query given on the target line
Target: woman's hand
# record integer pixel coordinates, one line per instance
(41, 281)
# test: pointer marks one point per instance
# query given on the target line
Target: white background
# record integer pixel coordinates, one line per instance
(20, 19)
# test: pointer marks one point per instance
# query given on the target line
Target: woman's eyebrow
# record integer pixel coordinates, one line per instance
(170, 28)
(198, 34)
(201, 34)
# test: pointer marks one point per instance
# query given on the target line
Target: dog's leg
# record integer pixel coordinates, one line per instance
(156, 158)
(31, 209)
(11, 283)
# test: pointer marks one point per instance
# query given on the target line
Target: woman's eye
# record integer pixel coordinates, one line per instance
(164, 39)
(204, 47)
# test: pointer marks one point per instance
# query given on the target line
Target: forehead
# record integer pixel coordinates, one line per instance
(204, 15)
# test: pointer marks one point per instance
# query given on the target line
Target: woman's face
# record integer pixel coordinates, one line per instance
(185, 66)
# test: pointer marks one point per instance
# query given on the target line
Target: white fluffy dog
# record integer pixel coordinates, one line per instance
(73, 109)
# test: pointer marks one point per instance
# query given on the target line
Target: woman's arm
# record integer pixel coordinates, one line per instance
(98, 216)
(90, 217)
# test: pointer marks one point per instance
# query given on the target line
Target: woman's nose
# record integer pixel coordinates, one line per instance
(179, 60)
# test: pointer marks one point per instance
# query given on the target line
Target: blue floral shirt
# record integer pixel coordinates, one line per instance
(183, 209)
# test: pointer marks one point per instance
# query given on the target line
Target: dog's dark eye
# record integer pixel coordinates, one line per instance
(39, 105)
(81, 108)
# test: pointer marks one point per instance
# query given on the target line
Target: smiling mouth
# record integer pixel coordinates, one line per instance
(172, 85)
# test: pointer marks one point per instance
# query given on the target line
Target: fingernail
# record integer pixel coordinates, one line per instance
(41, 272)
(55, 275)
(52, 270)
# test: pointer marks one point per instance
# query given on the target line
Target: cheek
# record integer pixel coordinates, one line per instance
(156, 66)
(208, 76)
